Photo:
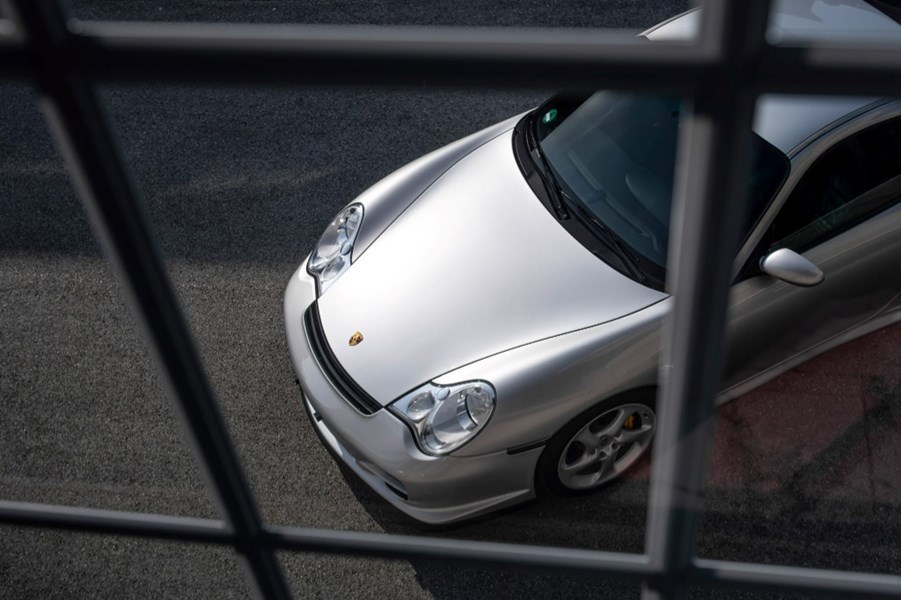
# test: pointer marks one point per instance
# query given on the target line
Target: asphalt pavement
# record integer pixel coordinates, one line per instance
(237, 185)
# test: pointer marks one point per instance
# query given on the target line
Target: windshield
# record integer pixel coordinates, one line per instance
(613, 155)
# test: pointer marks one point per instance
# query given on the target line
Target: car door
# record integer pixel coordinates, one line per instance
(844, 216)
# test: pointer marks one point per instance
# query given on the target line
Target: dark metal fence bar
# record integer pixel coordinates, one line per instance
(383, 55)
(568, 561)
(558, 58)
(816, 582)
(480, 554)
(712, 166)
(80, 129)
(116, 522)
(720, 74)
(820, 69)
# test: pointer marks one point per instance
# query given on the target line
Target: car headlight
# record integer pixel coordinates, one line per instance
(331, 256)
(444, 417)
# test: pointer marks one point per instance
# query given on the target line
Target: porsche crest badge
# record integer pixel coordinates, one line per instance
(356, 338)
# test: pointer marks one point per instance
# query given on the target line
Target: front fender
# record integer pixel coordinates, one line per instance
(542, 385)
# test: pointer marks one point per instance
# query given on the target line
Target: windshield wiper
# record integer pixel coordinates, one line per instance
(544, 172)
(612, 241)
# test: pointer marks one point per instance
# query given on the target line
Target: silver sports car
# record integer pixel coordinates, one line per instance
(483, 325)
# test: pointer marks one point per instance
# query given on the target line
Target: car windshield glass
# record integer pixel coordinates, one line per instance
(614, 155)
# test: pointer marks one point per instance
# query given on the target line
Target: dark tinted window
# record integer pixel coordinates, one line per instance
(855, 179)
(614, 155)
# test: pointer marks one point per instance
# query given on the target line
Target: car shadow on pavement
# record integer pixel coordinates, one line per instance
(804, 472)
(610, 519)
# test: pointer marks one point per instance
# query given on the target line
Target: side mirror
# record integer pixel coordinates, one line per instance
(791, 267)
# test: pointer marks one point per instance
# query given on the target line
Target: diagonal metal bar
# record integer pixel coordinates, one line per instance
(80, 129)
(711, 178)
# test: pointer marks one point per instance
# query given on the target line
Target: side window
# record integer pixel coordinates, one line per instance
(854, 180)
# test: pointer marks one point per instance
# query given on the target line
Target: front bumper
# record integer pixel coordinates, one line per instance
(381, 450)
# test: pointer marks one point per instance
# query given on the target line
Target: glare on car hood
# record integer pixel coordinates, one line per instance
(474, 267)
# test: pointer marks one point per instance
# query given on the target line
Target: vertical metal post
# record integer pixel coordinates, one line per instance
(79, 127)
(710, 190)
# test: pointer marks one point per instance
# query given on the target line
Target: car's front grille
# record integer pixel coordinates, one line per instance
(347, 387)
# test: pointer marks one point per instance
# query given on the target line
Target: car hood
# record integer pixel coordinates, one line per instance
(474, 267)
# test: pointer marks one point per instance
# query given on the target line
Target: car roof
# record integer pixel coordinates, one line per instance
(787, 121)
(801, 20)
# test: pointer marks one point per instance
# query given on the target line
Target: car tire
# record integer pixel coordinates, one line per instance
(598, 446)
